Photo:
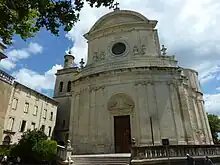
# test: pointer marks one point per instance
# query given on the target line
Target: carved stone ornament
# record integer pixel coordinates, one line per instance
(95, 56)
(143, 49)
(102, 56)
(135, 50)
(120, 102)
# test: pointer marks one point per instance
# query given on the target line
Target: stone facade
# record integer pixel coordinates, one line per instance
(127, 74)
(2, 55)
(23, 108)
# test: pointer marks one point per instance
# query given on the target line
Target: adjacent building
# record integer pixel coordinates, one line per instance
(2, 48)
(22, 108)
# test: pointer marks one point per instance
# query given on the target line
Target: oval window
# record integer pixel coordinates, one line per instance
(118, 48)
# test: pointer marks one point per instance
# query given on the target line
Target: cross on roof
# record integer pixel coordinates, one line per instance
(115, 6)
(81, 63)
(69, 52)
(163, 50)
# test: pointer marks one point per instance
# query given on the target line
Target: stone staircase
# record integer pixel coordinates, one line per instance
(101, 159)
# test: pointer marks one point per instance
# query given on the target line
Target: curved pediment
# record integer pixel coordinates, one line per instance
(120, 101)
(119, 17)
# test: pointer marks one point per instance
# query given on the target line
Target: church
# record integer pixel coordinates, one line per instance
(129, 88)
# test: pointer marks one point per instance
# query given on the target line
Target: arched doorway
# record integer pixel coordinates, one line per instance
(7, 140)
(121, 107)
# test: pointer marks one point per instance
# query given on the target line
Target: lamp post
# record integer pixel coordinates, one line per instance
(165, 142)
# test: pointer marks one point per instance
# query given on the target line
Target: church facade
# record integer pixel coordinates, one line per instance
(129, 88)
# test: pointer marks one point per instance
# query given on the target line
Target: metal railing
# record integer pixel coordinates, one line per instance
(6, 77)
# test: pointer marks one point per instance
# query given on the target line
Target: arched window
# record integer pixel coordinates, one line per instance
(7, 140)
(61, 86)
(69, 86)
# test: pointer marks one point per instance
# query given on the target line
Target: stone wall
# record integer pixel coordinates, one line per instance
(161, 98)
(5, 94)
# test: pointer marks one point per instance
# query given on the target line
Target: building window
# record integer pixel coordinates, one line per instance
(61, 86)
(26, 107)
(63, 124)
(51, 116)
(7, 140)
(49, 131)
(35, 110)
(45, 114)
(14, 104)
(10, 123)
(33, 126)
(42, 128)
(23, 125)
(28, 93)
(69, 86)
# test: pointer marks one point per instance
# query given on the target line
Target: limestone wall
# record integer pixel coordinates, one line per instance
(158, 95)
(5, 94)
(199, 121)
(18, 112)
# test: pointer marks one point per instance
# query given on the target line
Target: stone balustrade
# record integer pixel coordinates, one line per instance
(6, 77)
(64, 153)
(61, 152)
(153, 152)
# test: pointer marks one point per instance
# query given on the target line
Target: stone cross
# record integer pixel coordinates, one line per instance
(163, 50)
(81, 63)
(115, 6)
(69, 52)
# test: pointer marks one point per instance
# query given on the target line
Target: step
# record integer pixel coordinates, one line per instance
(101, 159)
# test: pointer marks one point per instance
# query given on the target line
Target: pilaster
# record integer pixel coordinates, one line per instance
(153, 112)
(177, 116)
(190, 137)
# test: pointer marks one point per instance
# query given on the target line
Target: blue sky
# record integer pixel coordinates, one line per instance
(189, 29)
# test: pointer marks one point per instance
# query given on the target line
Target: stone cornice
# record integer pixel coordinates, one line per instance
(123, 27)
(67, 71)
(156, 70)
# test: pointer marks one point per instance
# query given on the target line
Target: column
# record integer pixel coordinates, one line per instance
(209, 134)
(71, 120)
(92, 129)
(205, 139)
(176, 114)
(136, 113)
(75, 140)
(153, 112)
(101, 112)
(144, 118)
(185, 113)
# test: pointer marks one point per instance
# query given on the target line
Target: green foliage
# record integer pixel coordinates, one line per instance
(26, 17)
(214, 123)
(34, 147)
(4, 151)
(46, 150)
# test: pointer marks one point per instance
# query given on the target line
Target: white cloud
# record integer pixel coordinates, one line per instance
(212, 103)
(218, 88)
(18, 54)
(188, 28)
(35, 80)
(35, 48)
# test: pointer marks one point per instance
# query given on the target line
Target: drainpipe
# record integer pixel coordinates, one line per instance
(40, 115)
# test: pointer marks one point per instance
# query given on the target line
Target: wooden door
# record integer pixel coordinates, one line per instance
(122, 133)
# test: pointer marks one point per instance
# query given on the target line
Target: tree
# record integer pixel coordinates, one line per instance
(214, 123)
(46, 150)
(25, 148)
(26, 17)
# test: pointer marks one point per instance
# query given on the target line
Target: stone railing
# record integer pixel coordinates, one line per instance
(154, 152)
(64, 153)
(6, 77)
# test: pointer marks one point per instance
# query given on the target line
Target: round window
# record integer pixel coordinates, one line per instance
(118, 48)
